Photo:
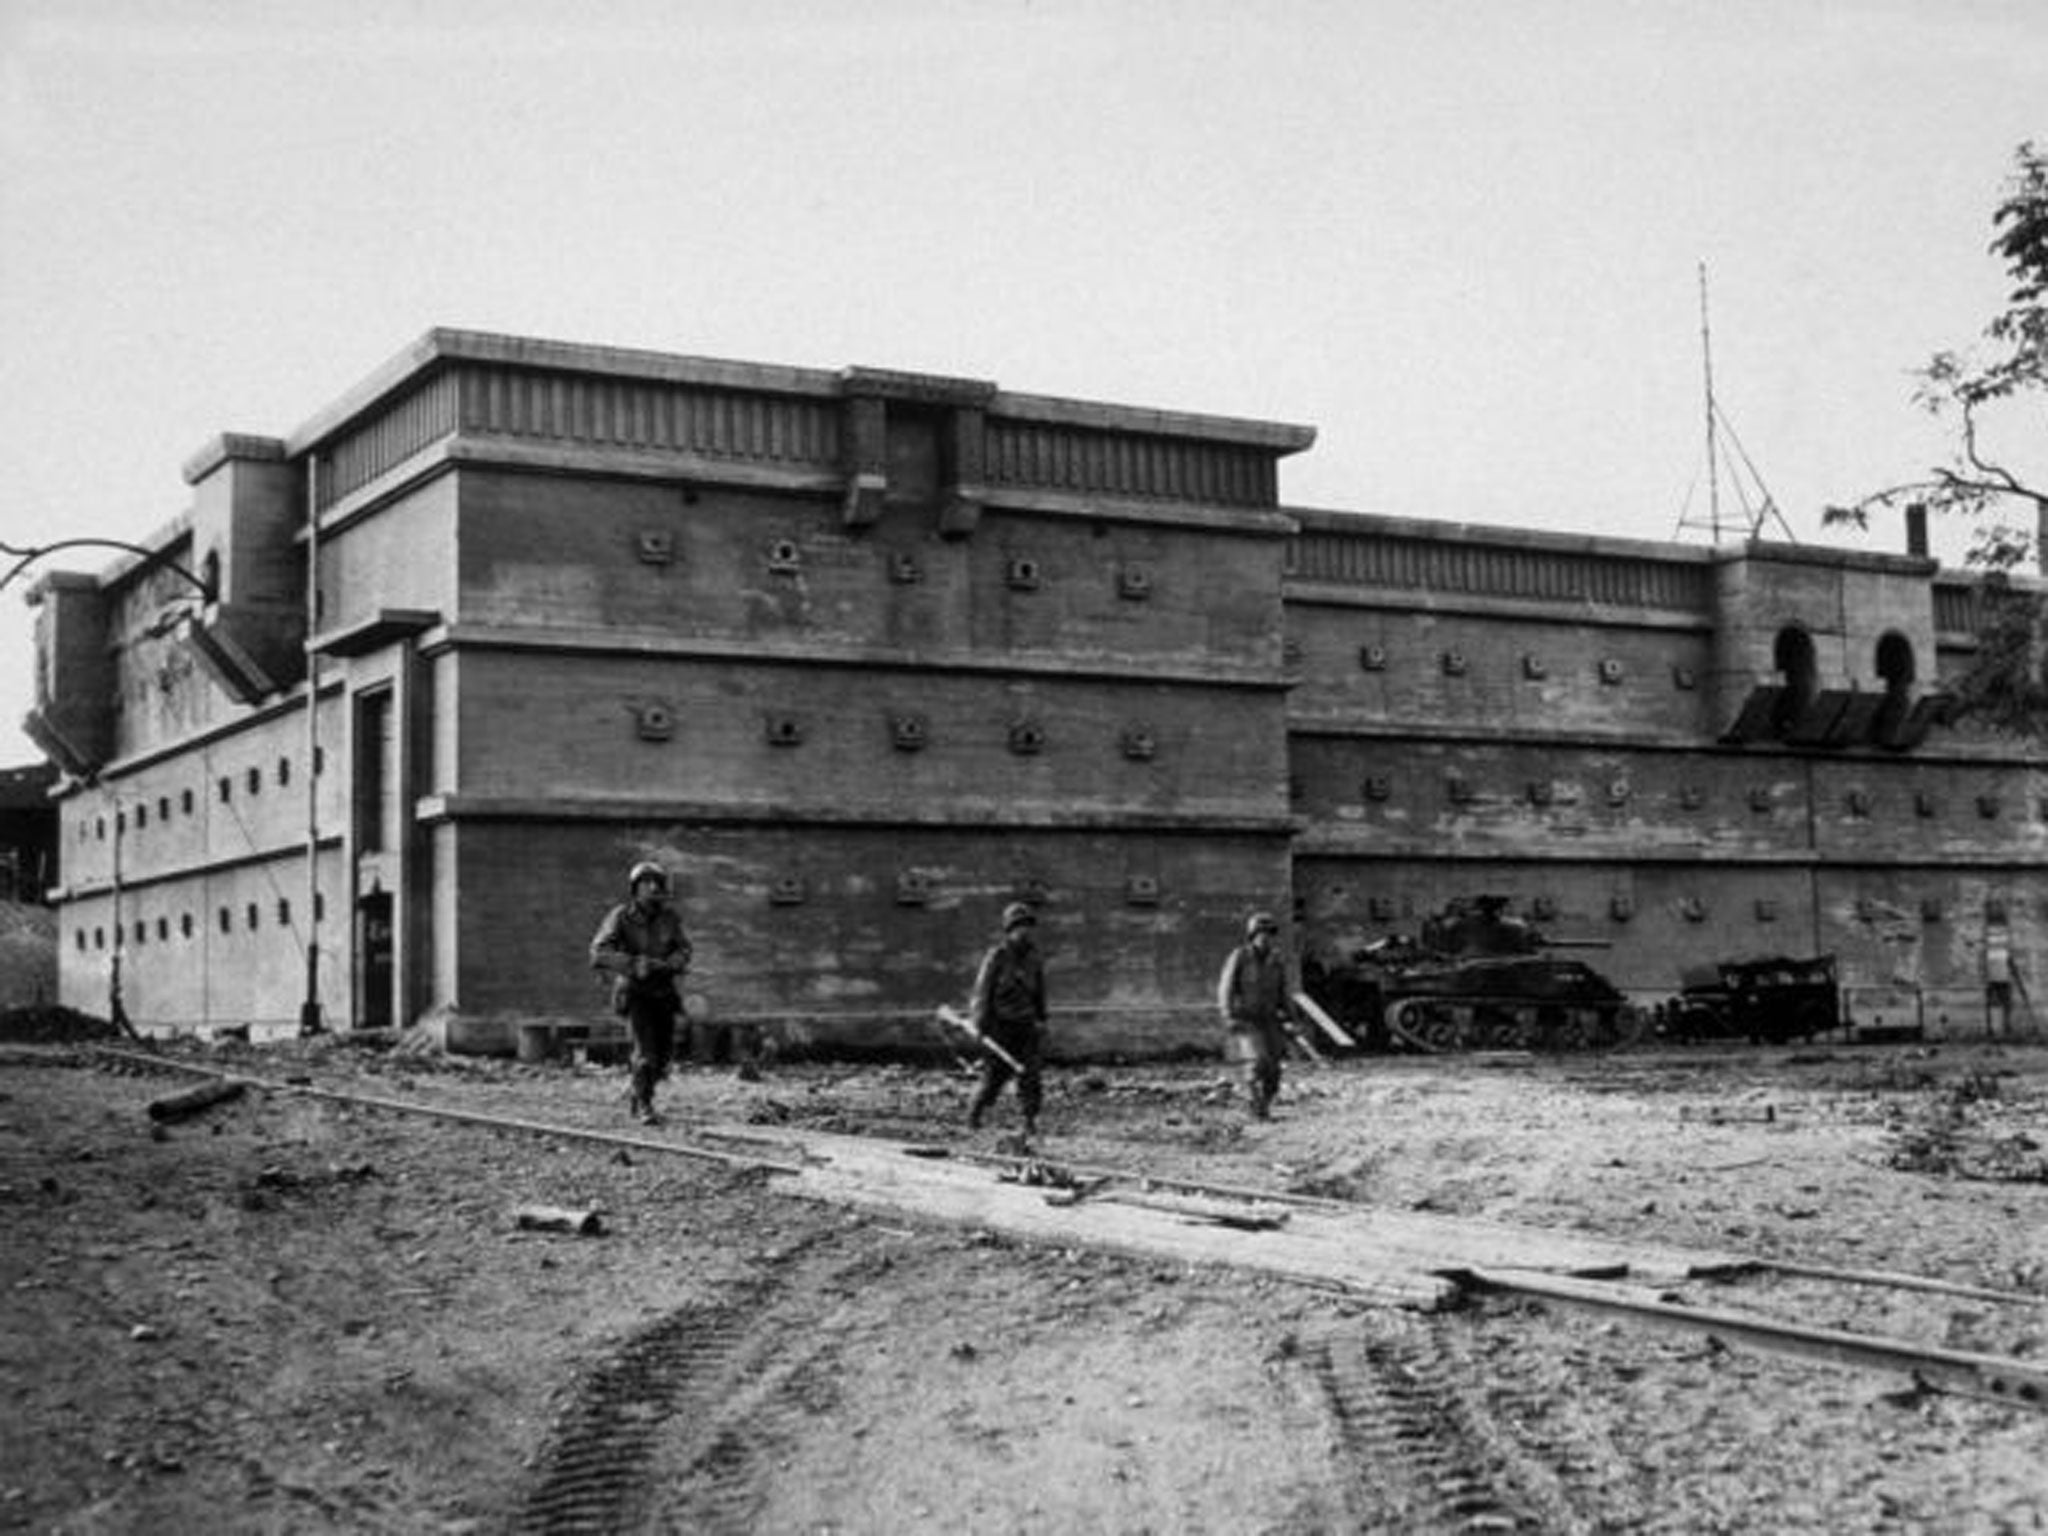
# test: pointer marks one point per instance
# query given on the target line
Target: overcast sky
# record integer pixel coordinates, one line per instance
(1460, 239)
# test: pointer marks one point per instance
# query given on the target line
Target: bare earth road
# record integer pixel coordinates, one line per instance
(291, 1313)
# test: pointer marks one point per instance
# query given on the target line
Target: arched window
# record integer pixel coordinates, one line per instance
(1793, 656)
(1895, 662)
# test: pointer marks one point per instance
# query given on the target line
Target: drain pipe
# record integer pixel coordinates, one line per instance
(117, 1005)
(309, 1010)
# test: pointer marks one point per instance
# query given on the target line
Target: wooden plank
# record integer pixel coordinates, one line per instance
(1302, 1043)
(961, 1194)
(1224, 1213)
(1398, 1252)
(1324, 1022)
(189, 1102)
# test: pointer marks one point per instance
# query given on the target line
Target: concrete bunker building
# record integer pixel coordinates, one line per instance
(863, 655)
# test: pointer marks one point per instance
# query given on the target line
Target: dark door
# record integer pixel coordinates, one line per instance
(373, 943)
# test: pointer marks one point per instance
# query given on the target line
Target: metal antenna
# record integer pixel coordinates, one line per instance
(1757, 511)
(1713, 451)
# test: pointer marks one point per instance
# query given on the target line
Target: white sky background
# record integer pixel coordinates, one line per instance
(1459, 238)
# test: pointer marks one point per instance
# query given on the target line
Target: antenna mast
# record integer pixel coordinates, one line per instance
(1757, 509)
(1713, 449)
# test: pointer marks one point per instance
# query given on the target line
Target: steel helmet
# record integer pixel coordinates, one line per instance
(1018, 914)
(646, 869)
(1261, 922)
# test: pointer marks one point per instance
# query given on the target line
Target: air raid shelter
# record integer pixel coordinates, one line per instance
(378, 724)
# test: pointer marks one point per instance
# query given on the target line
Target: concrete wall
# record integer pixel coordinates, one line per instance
(217, 827)
(862, 656)
(855, 744)
(1543, 717)
(855, 934)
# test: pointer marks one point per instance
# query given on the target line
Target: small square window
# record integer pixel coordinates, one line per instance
(909, 732)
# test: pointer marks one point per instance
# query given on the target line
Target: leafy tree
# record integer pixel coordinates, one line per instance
(1999, 388)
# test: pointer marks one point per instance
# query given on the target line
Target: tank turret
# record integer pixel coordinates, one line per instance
(1474, 977)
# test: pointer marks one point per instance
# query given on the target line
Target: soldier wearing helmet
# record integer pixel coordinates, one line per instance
(1009, 1009)
(1252, 995)
(642, 947)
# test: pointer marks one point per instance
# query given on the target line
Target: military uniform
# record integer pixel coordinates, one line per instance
(1252, 996)
(1009, 1008)
(643, 948)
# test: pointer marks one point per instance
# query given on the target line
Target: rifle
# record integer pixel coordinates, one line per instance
(950, 1015)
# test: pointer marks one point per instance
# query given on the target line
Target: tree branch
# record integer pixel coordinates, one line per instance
(2006, 480)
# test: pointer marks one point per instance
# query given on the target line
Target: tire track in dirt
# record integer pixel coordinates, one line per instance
(1433, 1444)
(702, 1396)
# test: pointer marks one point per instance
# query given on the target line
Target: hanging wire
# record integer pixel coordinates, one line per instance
(26, 555)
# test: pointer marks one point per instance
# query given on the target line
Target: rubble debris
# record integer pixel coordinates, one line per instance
(555, 1218)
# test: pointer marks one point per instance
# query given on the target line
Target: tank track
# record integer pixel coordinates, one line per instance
(1444, 1025)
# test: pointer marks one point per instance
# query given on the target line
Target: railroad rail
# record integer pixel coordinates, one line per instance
(1997, 1379)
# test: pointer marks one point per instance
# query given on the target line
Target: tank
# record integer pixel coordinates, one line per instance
(1474, 979)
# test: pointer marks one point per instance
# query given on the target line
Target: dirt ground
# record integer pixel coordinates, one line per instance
(292, 1313)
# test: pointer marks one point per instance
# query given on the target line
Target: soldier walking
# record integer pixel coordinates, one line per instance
(1009, 1009)
(1252, 996)
(642, 946)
